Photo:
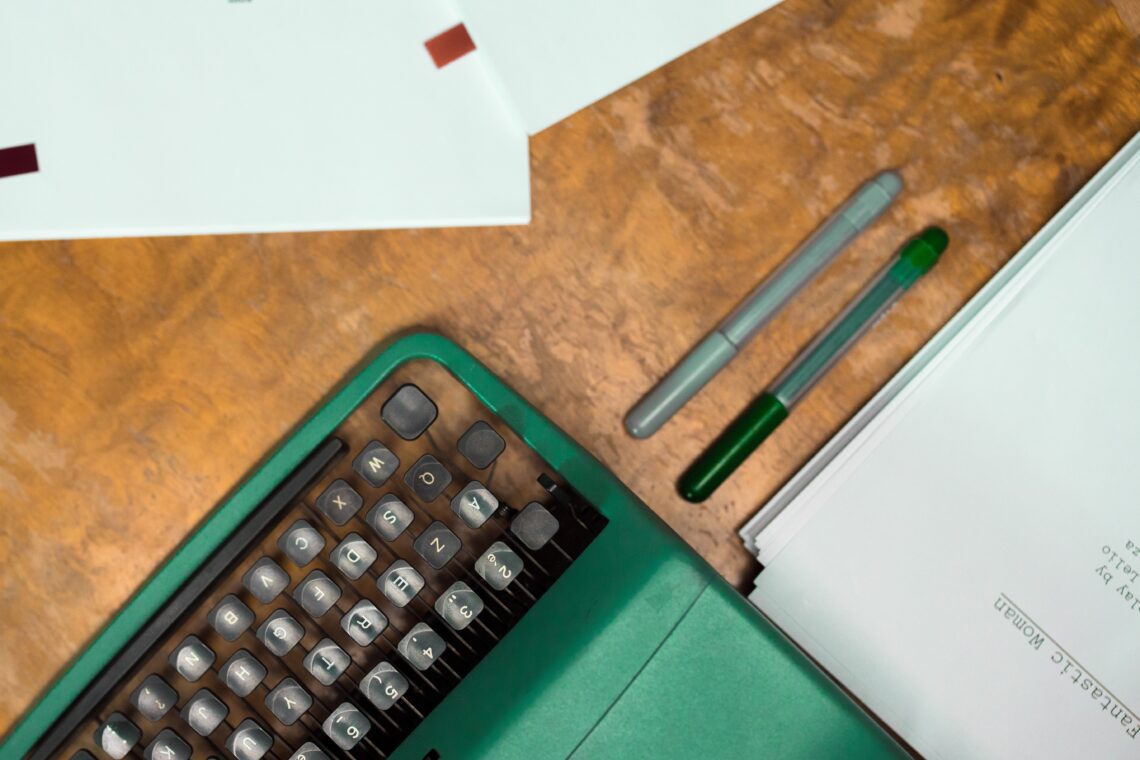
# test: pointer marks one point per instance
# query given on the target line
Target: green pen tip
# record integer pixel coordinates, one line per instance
(919, 255)
(936, 238)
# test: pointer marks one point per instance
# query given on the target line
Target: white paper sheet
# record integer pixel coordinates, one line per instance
(558, 56)
(969, 564)
(170, 117)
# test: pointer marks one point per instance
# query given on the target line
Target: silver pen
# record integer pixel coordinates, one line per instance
(739, 327)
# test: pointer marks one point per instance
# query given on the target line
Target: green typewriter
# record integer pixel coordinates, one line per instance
(428, 568)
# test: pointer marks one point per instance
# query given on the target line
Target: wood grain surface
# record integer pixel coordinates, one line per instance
(141, 380)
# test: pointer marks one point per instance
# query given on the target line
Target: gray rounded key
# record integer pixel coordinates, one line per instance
(154, 697)
(231, 618)
(421, 646)
(204, 712)
(82, 755)
(242, 673)
(288, 701)
(339, 502)
(327, 661)
(353, 556)
(427, 478)
(400, 583)
(437, 544)
(249, 741)
(390, 517)
(459, 605)
(316, 594)
(280, 633)
(376, 463)
(534, 526)
(167, 746)
(192, 658)
(474, 504)
(301, 543)
(364, 622)
(499, 565)
(117, 736)
(409, 412)
(265, 580)
(309, 751)
(481, 445)
(384, 685)
(346, 726)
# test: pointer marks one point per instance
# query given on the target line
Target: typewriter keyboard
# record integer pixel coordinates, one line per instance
(353, 600)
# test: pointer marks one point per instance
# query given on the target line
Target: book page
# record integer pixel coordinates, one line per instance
(971, 568)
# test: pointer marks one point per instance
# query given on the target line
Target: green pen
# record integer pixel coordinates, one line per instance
(766, 413)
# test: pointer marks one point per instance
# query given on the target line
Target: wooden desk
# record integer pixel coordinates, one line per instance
(142, 379)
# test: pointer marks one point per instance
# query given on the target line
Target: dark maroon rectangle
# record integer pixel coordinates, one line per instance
(18, 160)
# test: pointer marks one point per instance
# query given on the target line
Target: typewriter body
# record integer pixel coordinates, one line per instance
(429, 568)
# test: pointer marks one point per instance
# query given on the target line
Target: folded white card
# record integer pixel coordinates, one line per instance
(967, 560)
(558, 56)
(171, 117)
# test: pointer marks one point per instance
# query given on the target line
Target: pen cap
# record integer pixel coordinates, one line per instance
(919, 255)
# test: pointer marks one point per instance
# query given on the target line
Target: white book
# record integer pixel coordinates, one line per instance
(964, 557)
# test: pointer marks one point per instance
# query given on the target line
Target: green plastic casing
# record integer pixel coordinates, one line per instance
(639, 651)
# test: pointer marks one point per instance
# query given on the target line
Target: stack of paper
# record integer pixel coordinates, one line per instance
(965, 555)
(173, 118)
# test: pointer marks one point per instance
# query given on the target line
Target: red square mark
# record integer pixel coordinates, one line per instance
(450, 45)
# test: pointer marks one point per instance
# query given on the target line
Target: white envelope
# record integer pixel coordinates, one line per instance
(155, 118)
(554, 57)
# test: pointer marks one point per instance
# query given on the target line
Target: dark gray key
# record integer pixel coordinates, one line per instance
(384, 685)
(242, 673)
(481, 445)
(421, 646)
(231, 618)
(346, 726)
(409, 412)
(117, 736)
(288, 701)
(204, 712)
(316, 594)
(265, 580)
(192, 658)
(309, 751)
(534, 526)
(474, 504)
(427, 478)
(339, 502)
(154, 697)
(437, 544)
(327, 661)
(167, 746)
(390, 517)
(364, 622)
(459, 605)
(249, 741)
(82, 755)
(499, 565)
(301, 543)
(400, 583)
(353, 556)
(280, 633)
(376, 463)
